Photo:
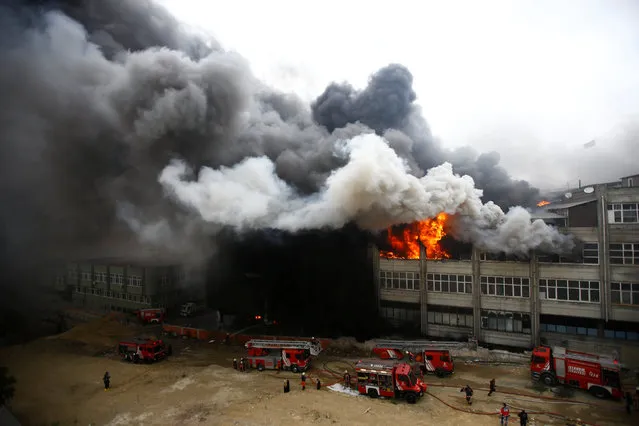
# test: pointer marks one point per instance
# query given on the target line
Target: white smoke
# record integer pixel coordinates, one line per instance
(374, 189)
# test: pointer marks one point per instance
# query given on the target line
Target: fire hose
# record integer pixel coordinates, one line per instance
(488, 413)
(550, 398)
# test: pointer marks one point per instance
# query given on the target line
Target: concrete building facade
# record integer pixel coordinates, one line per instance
(587, 304)
(113, 284)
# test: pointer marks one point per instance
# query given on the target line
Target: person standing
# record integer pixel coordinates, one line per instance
(319, 384)
(235, 363)
(303, 381)
(504, 413)
(628, 403)
(107, 381)
(287, 386)
(347, 380)
(523, 418)
(492, 386)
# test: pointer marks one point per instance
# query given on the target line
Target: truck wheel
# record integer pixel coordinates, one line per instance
(599, 392)
(295, 369)
(411, 398)
(260, 367)
(373, 393)
(548, 379)
(440, 372)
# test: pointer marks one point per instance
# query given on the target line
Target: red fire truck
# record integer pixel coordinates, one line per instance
(151, 315)
(433, 357)
(389, 379)
(294, 355)
(140, 349)
(598, 374)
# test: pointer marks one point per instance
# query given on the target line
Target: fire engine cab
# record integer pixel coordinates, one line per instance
(151, 315)
(598, 374)
(139, 349)
(282, 354)
(433, 357)
(388, 378)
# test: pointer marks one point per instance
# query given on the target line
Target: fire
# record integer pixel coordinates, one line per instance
(429, 232)
(543, 203)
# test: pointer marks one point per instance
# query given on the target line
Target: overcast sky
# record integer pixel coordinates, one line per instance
(521, 77)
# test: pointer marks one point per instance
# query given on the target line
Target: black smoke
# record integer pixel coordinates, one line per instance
(99, 96)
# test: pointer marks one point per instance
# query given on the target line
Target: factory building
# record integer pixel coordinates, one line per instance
(122, 284)
(590, 303)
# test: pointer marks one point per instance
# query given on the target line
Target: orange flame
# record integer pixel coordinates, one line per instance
(543, 203)
(429, 232)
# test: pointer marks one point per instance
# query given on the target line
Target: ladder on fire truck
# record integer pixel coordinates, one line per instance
(604, 360)
(314, 348)
(419, 345)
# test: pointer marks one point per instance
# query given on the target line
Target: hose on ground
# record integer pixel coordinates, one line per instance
(487, 413)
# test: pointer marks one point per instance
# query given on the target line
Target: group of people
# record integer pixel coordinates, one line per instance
(241, 366)
(504, 411)
(287, 384)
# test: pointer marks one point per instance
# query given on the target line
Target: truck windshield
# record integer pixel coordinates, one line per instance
(611, 378)
(444, 358)
(412, 378)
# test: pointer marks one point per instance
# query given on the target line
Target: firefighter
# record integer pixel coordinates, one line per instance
(469, 394)
(504, 413)
(303, 381)
(235, 363)
(107, 381)
(492, 387)
(347, 379)
(319, 384)
(628, 402)
(242, 365)
(523, 418)
(287, 386)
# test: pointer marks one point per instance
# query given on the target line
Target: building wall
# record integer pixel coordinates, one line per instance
(107, 285)
(590, 304)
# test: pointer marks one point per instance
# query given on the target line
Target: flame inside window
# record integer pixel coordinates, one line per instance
(405, 244)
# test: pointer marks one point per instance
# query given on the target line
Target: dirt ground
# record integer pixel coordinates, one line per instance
(59, 383)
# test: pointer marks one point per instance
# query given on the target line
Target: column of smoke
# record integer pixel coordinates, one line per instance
(113, 114)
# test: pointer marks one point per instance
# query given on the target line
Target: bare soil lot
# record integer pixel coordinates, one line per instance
(59, 383)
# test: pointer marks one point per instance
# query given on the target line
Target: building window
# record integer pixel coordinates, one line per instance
(624, 254)
(505, 286)
(568, 325)
(399, 280)
(573, 291)
(500, 257)
(621, 330)
(117, 279)
(623, 213)
(134, 280)
(447, 283)
(85, 276)
(72, 274)
(399, 312)
(511, 322)
(624, 293)
(450, 315)
(100, 277)
(589, 255)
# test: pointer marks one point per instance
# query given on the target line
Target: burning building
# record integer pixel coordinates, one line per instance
(124, 122)
(591, 299)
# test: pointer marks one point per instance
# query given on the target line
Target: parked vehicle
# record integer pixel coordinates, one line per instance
(143, 350)
(387, 378)
(282, 354)
(598, 374)
(189, 309)
(432, 357)
(151, 315)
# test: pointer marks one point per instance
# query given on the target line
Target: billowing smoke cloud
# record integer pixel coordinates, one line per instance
(115, 119)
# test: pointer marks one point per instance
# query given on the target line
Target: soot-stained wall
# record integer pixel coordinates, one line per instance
(316, 283)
